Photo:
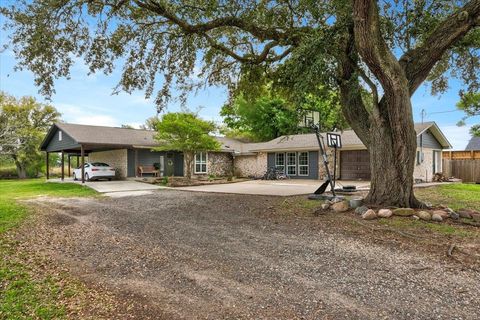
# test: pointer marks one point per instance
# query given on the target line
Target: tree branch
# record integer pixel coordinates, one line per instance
(372, 46)
(244, 24)
(417, 63)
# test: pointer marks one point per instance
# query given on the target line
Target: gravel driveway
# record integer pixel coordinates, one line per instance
(191, 255)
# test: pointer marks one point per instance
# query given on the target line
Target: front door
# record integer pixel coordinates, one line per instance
(169, 166)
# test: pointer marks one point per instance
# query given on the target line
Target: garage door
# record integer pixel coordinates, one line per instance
(355, 165)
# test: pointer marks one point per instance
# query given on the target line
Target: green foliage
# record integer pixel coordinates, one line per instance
(185, 132)
(22, 129)
(294, 44)
(270, 116)
(470, 104)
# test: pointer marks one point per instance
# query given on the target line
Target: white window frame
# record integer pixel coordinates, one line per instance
(303, 165)
(277, 165)
(203, 161)
(288, 165)
(60, 135)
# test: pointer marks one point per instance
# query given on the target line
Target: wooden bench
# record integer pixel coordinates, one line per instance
(147, 169)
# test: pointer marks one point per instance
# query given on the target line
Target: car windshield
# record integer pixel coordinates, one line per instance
(99, 164)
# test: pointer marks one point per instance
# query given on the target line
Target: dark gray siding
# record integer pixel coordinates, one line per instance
(147, 157)
(312, 165)
(66, 143)
(130, 163)
(178, 164)
(429, 140)
(271, 160)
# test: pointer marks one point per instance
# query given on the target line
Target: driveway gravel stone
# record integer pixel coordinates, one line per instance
(192, 255)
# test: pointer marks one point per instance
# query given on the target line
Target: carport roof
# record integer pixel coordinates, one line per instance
(121, 137)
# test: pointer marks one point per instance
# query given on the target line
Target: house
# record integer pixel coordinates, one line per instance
(127, 149)
(473, 144)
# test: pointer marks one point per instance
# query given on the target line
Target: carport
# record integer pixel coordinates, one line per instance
(79, 141)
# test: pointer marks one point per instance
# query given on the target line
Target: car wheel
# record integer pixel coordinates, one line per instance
(109, 179)
(87, 178)
(74, 177)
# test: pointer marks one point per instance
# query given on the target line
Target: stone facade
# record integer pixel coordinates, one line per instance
(322, 173)
(251, 165)
(115, 158)
(219, 164)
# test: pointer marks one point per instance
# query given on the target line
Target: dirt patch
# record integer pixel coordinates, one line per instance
(182, 255)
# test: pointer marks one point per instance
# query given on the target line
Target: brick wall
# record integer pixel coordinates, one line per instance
(255, 165)
(115, 158)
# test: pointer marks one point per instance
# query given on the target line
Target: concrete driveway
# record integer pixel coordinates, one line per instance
(271, 187)
(117, 188)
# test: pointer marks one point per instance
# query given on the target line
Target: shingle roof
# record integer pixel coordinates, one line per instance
(87, 134)
(473, 144)
(309, 141)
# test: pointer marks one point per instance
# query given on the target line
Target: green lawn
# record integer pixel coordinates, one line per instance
(24, 293)
(455, 196)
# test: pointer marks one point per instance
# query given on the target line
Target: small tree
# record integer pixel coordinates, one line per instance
(185, 132)
(23, 125)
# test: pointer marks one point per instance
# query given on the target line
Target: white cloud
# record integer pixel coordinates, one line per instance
(85, 115)
(458, 136)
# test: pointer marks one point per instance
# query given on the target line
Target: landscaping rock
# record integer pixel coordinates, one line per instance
(436, 217)
(325, 206)
(385, 213)
(453, 215)
(476, 217)
(369, 215)
(361, 210)
(424, 215)
(404, 212)
(441, 213)
(340, 206)
(465, 213)
(415, 218)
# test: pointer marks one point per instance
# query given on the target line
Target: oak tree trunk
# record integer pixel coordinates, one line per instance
(392, 160)
(21, 170)
(188, 164)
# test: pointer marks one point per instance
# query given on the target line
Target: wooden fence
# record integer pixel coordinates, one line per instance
(461, 155)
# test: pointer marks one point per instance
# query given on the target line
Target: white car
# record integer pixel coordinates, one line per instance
(94, 171)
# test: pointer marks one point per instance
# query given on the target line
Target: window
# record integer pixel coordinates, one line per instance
(201, 162)
(60, 136)
(280, 161)
(419, 157)
(291, 163)
(303, 163)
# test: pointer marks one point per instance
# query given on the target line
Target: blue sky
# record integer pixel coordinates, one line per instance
(88, 100)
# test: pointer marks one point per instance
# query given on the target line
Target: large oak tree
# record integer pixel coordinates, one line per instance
(389, 47)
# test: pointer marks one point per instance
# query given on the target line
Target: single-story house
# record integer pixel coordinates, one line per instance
(298, 155)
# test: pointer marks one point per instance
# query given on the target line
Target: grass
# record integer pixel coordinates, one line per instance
(406, 224)
(25, 293)
(12, 213)
(455, 196)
